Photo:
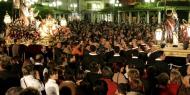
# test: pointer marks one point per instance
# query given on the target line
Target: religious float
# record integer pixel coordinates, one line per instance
(28, 30)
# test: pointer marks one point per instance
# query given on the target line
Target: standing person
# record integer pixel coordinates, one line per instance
(7, 78)
(107, 77)
(92, 57)
(45, 54)
(15, 48)
(159, 63)
(30, 80)
(57, 53)
(51, 87)
(39, 65)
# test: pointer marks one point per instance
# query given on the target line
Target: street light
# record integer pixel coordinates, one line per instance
(158, 34)
(7, 19)
(63, 22)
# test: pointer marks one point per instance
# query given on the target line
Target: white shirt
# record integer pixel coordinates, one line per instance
(30, 81)
(51, 87)
(116, 54)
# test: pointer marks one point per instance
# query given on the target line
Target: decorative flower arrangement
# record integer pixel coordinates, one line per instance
(18, 30)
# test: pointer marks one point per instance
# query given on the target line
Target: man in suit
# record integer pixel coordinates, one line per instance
(135, 62)
(57, 53)
(116, 58)
(92, 57)
(160, 65)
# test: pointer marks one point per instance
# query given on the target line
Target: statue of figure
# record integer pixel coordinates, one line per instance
(28, 12)
(171, 26)
(184, 33)
(43, 30)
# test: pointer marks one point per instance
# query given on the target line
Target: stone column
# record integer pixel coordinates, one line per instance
(159, 17)
(147, 17)
(130, 17)
(138, 17)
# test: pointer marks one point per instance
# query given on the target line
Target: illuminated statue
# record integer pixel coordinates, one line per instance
(47, 27)
(171, 26)
(43, 30)
(28, 12)
(185, 33)
(63, 22)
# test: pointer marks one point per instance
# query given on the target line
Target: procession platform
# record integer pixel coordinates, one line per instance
(176, 51)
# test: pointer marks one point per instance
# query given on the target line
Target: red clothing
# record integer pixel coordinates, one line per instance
(112, 87)
(164, 91)
(173, 88)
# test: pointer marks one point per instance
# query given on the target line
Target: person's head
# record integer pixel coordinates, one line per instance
(94, 67)
(67, 88)
(14, 91)
(39, 58)
(30, 91)
(107, 72)
(4, 62)
(142, 47)
(175, 76)
(116, 49)
(53, 73)
(160, 54)
(27, 70)
(135, 53)
(133, 74)
(59, 45)
(92, 48)
(43, 48)
(163, 79)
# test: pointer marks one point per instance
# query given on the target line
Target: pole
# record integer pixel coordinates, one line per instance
(130, 17)
(118, 18)
(147, 17)
(189, 17)
(138, 17)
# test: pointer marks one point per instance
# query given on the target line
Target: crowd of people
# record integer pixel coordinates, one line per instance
(97, 59)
